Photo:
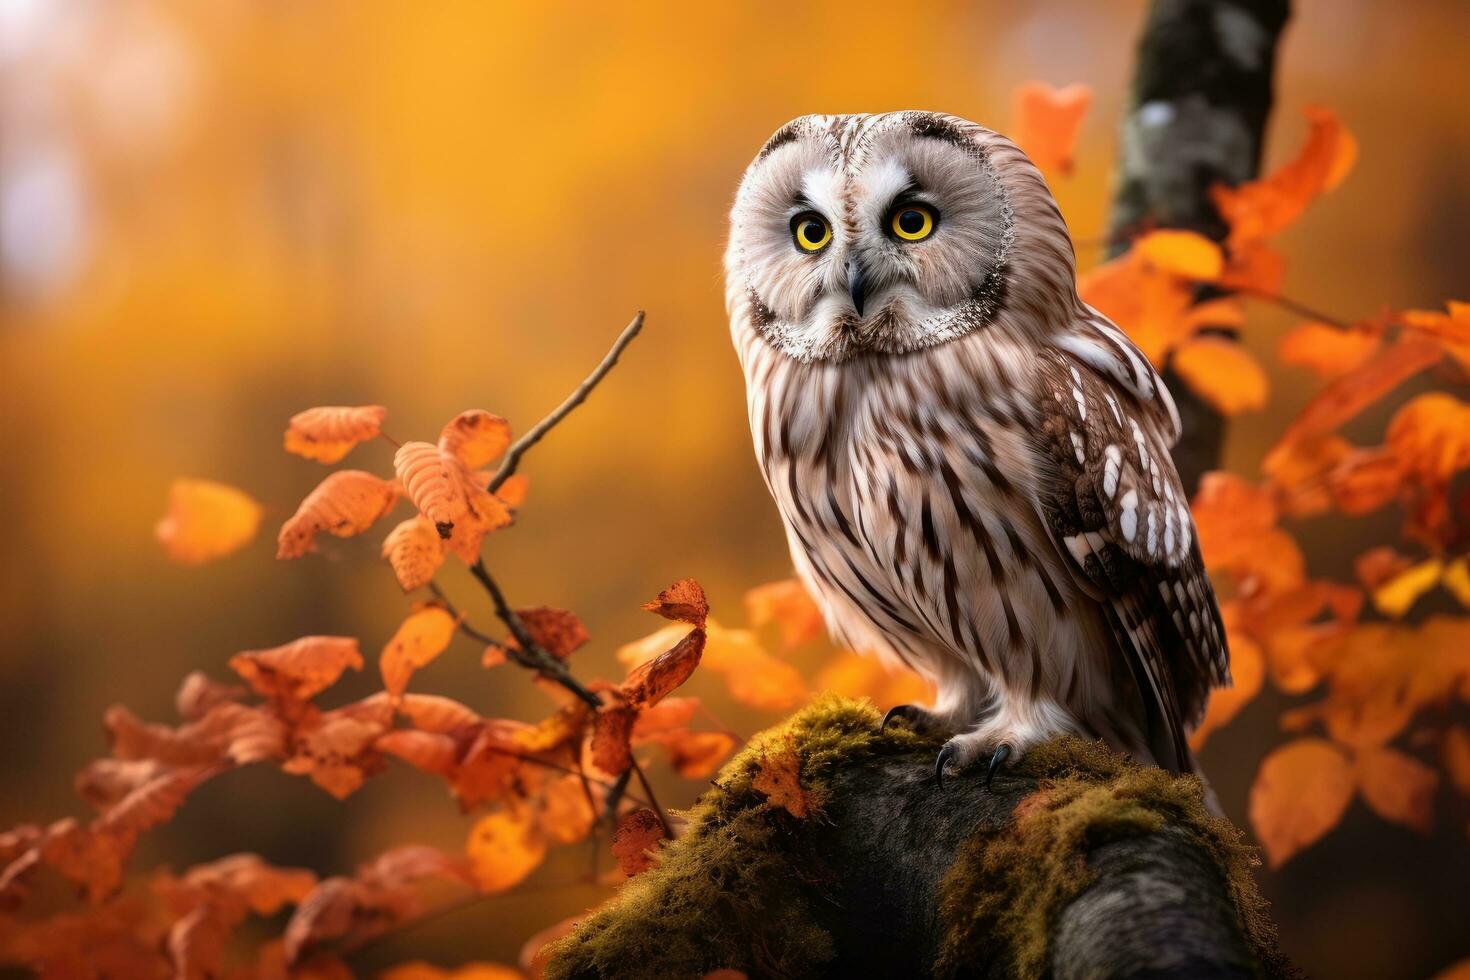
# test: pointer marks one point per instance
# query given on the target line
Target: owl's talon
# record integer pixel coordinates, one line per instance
(945, 754)
(1002, 752)
(916, 716)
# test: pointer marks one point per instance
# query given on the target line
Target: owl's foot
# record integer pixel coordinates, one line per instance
(917, 717)
(963, 750)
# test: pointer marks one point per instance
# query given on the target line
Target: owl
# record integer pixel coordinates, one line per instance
(971, 463)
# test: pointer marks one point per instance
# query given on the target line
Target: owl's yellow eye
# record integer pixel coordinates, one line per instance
(913, 222)
(811, 231)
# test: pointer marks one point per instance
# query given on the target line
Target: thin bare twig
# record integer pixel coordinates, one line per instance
(577, 397)
(476, 635)
(539, 659)
(663, 817)
(1300, 309)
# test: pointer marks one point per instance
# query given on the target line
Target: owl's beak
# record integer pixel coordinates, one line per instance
(857, 283)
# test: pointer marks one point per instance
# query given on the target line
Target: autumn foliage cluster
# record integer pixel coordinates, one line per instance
(1380, 679)
(1371, 674)
(573, 775)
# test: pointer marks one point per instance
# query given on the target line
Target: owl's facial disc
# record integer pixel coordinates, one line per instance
(887, 241)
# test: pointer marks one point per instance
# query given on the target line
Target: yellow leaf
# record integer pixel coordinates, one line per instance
(419, 641)
(1398, 594)
(1456, 580)
(1222, 372)
(504, 848)
(1182, 253)
(206, 520)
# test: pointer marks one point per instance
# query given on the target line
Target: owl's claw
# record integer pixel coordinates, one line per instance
(916, 716)
(1002, 752)
(945, 754)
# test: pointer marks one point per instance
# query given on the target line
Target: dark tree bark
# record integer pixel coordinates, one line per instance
(1202, 91)
(1066, 869)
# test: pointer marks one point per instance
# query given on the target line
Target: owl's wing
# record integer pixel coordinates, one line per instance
(1116, 511)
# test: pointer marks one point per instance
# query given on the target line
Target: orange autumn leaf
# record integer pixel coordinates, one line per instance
(611, 742)
(1222, 372)
(300, 669)
(1328, 351)
(205, 520)
(503, 848)
(696, 755)
(415, 551)
(787, 604)
(1254, 267)
(436, 713)
(1430, 436)
(1349, 394)
(1230, 515)
(1300, 793)
(778, 776)
(336, 751)
(1047, 121)
(1450, 329)
(1151, 306)
(566, 815)
(346, 503)
(856, 675)
(513, 491)
(1181, 253)
(683, 602)
(353, 910)
(328, 433)
(476, 438)
(1397, 787)
(447, 493)
(418, 642)
(654, 679)
(636, 840)
(752, 675)
(557, 631)
(1262, 208)
(428, 752)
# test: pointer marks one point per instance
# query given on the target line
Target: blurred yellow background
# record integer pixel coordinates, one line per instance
(213, 215)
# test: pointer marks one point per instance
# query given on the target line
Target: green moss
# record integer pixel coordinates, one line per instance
(1000, 900)
(739, 862)
(738, 888)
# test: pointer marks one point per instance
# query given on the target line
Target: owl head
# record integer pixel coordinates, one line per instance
(891, 233)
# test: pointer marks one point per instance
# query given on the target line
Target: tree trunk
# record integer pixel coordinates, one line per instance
(1202, 90)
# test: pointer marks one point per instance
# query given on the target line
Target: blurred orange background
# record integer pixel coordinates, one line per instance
(213, 215)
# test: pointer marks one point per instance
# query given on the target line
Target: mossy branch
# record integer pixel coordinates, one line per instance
(1079, 864)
